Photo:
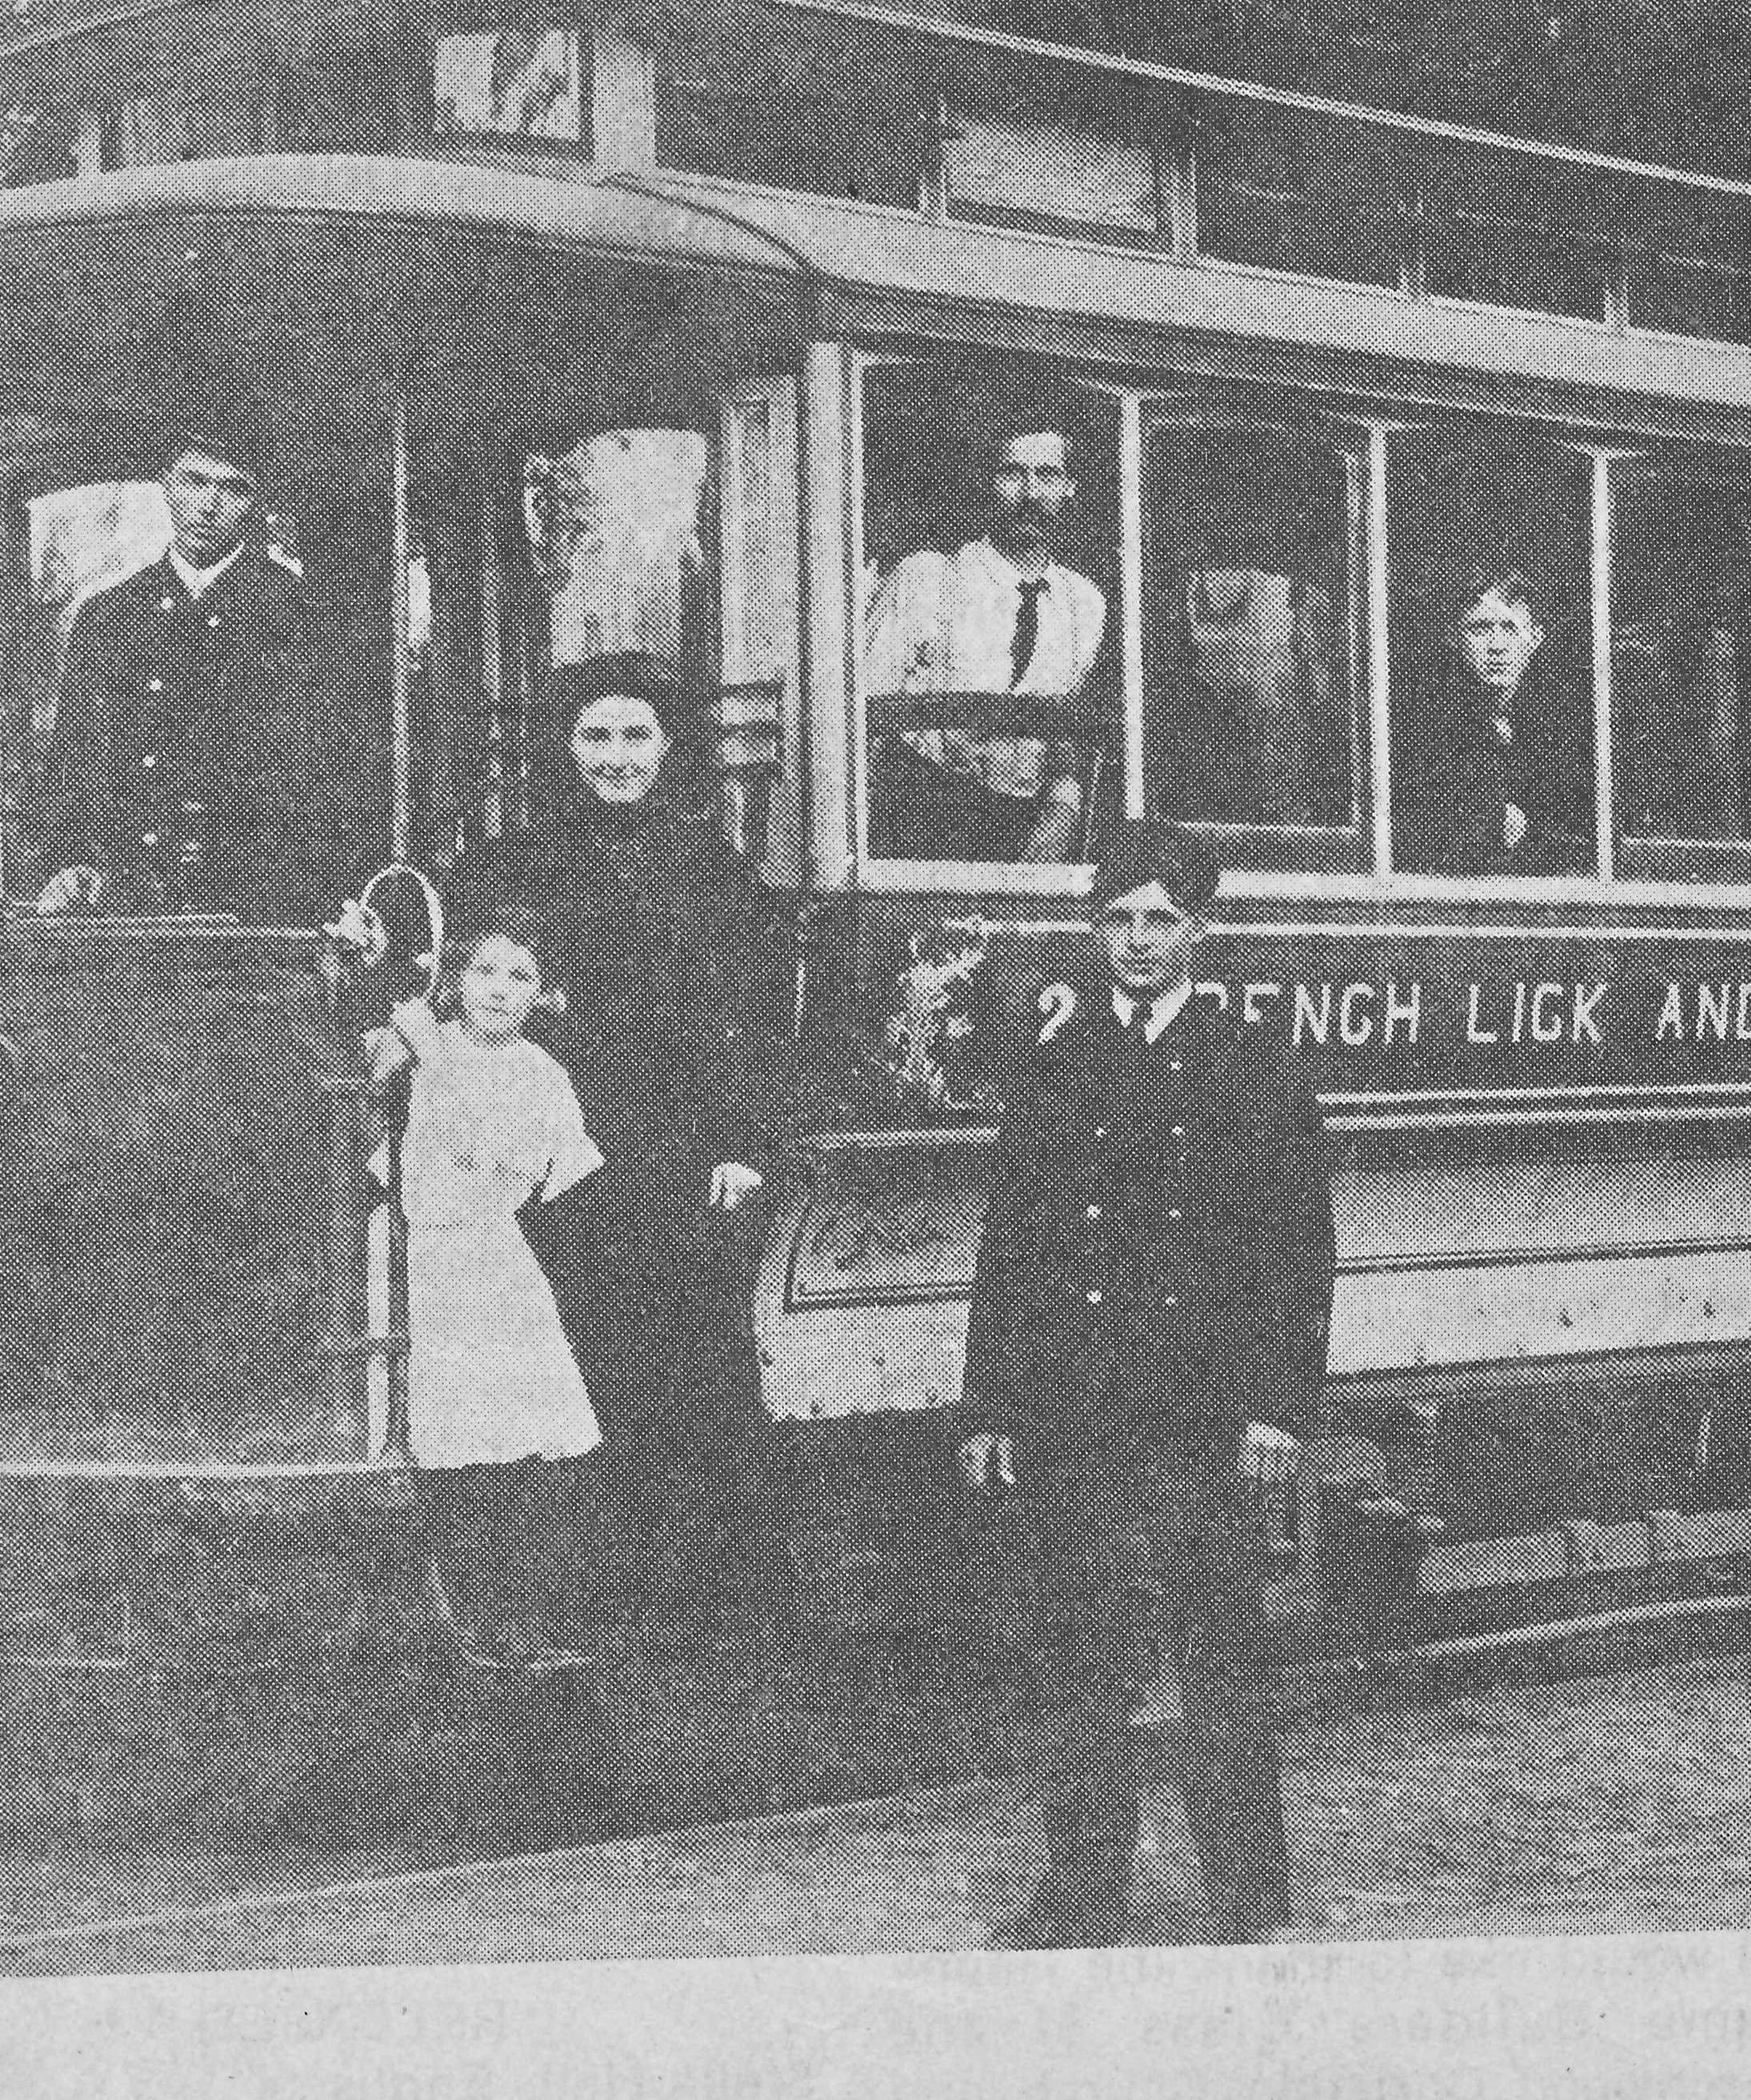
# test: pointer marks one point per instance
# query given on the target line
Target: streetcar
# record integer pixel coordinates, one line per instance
(688, 330)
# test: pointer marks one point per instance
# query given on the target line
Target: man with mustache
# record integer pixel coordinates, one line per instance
(999, 615)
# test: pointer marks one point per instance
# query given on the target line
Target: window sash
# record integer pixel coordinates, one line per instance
(1364, 848)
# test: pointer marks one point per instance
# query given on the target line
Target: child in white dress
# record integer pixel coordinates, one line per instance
(492, 1125)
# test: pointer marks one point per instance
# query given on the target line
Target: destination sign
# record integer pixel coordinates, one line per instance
(1378, 1009)
(1364, 1011)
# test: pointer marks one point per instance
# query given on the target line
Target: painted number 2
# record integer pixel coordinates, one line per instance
(1057, 1003)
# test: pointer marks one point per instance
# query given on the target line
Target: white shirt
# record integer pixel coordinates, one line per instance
(198, 581)
(1165, 1008)
(946, 624)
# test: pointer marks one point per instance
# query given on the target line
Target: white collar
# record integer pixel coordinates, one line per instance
(999, 566)
(1165, 1008)
(197, 582)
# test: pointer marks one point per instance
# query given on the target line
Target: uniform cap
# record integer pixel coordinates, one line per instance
(634, 674)
(1143, 849)
(232, 431)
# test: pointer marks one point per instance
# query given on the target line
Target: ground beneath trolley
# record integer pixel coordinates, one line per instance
(1615, 1804)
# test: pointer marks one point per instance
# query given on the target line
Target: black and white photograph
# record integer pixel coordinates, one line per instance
(875, 1012)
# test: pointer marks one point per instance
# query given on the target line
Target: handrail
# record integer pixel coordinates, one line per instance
(1244, 90)
(988, 714)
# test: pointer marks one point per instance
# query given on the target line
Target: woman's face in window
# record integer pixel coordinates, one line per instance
(1498, 637)
(619, 747)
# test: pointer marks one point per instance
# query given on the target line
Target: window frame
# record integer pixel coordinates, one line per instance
(1324, 845)
(777, 400)
(1283, 849)
(991, 878)
(1356, 861)
(1703, 467)
(1628, 869)
(578, 147)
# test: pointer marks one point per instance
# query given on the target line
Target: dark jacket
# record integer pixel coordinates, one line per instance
(666, 947)
(197, 755)
(1472, 759)
(1156, 1261)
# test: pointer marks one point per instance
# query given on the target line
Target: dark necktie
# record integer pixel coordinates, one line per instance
(1027, 630)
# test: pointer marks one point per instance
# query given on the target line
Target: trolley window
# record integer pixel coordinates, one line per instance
(1297, 195)
(1492, 689)
(990, 532)
(824, 109)
(1250, 537)
(614, 528)
(667, 540)
(531, 81)
(1680, 656)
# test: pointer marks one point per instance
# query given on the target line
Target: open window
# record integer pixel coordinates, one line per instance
(529, 81)
(615, 525)
(1079, 602)
(1348, 640)
(990, 615)
(682, 543)
(1250, 650)
(1681, 663)
(1490, 568)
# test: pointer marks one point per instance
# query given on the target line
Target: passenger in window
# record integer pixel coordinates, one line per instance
(999, 615)
(1501, 778)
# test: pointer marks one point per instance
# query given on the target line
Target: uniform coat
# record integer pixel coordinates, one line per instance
(1155, 1272)
(1156, 1266)
(195, 754)
(179, 1253)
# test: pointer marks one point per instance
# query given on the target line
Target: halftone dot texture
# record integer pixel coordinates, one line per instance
(285, 1709)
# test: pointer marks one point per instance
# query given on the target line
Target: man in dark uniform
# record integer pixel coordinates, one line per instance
(167, 1210)
(191, 764)
(1151, 1305)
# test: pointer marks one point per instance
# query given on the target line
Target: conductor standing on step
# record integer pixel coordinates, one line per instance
(1150, 1309)
(195, 764)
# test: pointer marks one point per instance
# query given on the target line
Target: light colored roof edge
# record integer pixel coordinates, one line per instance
(593, 213)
